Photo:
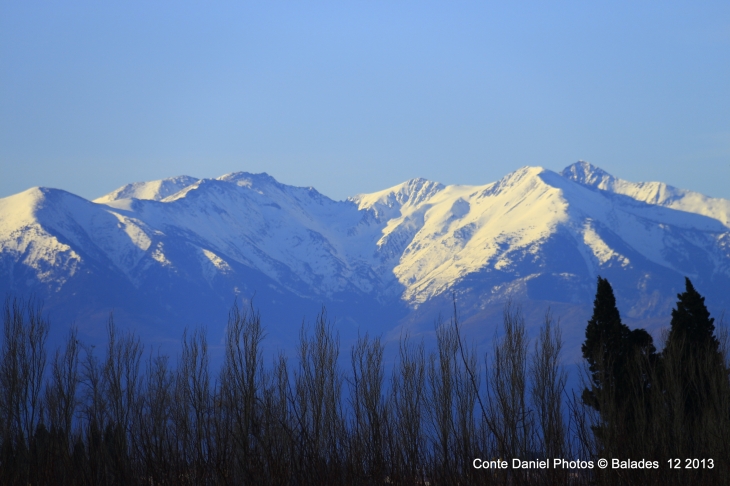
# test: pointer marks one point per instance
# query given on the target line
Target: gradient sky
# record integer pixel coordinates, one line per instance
(354, 97)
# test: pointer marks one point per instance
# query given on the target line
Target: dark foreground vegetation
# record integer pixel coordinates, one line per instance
(129, 417)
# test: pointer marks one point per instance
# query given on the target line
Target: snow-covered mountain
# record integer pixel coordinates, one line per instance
(172, 253)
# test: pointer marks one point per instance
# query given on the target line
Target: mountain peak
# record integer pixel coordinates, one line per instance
(152, 190)
(248, 179)
(418, 189)
(263, 183)
(654, 193)
(588, 174)
(413, 192)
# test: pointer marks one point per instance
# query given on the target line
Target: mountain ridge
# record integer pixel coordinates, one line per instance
(534, 235)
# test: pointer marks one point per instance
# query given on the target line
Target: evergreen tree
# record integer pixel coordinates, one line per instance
(692, 327)
(604, 335)
(612, 351)
(694, 376)
(620, 363)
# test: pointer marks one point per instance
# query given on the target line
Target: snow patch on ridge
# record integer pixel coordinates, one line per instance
(600, 249)
(213, 265)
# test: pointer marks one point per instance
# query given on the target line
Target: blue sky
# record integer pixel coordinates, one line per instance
(354, 97)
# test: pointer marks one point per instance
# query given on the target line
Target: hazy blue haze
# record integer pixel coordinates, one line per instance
(354, 97)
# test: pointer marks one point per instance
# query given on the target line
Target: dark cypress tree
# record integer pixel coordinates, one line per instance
(695, 378)
(692, 327)
(595, 348)
(620, 363)
(612, 351)
(603, 344)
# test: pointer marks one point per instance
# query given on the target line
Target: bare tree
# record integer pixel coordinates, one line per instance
(241, 388)
(279, 439)
(61, 400)
(508, 404)
(547, 388)
(442, 386)
(368, 404)
(22, 367)
(317, 400)
(155, 436)
(408, 396)
(466, 429)
(52, 447)
(122, 391)
(193, 408)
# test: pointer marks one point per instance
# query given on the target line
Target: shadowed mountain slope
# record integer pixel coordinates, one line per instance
(173, 253)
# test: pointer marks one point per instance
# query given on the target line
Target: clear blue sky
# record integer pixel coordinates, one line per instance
(353, 96)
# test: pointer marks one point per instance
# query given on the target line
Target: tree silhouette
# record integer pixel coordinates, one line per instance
(694, 373)
(692, 325)
(613, 351)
